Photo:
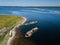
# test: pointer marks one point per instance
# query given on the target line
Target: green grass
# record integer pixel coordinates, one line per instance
(8, 21)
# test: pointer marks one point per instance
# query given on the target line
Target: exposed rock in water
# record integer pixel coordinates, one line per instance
(30, 32)
(31, 23)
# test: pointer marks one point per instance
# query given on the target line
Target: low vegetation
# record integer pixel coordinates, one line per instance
(8, 21)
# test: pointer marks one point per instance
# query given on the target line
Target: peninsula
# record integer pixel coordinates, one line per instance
(6, 22)
(10, 30)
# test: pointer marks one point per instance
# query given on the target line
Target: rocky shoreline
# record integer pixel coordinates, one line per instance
(15, 34)
(16, 37)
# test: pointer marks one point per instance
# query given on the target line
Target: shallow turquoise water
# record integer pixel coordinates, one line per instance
(48, 22)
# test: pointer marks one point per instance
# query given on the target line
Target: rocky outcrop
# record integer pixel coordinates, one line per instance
(31, 23)
(15, 34)
(31, 32)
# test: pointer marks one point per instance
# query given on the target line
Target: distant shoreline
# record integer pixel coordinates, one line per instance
(34, 6)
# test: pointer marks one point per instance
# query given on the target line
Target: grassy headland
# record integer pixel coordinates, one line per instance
(8, 21)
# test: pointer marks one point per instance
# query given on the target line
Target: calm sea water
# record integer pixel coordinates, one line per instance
(48, 22)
